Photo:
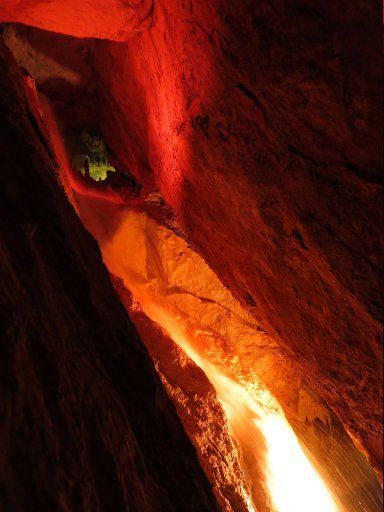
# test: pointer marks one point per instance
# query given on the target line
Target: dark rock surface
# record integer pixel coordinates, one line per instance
(85, 422)
(261, 126)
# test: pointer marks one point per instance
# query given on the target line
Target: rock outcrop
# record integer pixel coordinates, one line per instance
(105, 19)
(260, 125)
(86, 423)
(177, 290)
(198, 407)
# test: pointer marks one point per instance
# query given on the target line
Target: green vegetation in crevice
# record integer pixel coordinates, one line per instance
(92, 159)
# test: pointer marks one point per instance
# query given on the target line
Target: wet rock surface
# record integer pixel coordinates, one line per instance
(106, 19)
(198, 407)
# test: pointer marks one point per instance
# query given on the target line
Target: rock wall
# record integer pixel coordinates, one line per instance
(86, 423)
(198, 407)
(261, 127)
(106, 19)
(177, 290)
(260, 124)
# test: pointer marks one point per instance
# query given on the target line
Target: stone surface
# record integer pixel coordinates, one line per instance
(261, 127)
(179, 292)
(105, 19)
(198, 407)
(86, 423)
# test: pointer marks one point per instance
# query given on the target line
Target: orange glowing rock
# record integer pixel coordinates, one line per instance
(239, 112)
(198, 407)
(178, 291)
(269, 153)
(273, 179)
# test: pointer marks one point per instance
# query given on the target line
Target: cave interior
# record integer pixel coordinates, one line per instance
(191, 251)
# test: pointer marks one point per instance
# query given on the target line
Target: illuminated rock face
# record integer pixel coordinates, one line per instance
(107, 19)
(178, 291)
(86, 424)
(260, 126)
(198, 407)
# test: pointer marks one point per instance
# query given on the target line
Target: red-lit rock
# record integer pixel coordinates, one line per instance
(261, 127)
(106, 19)
(197, 406)
(86, 423)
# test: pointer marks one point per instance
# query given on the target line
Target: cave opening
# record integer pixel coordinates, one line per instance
(90, 155)
(264, 436)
